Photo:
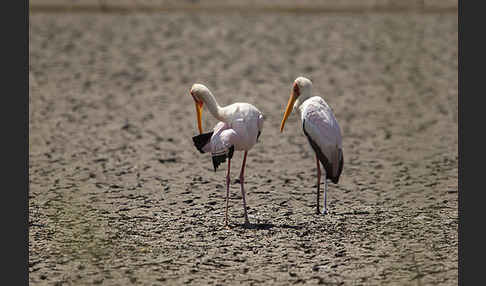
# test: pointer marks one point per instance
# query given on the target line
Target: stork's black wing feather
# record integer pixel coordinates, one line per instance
(323, 159)
(201, 140)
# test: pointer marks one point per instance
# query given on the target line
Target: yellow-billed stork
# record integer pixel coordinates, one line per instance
(322, 131)
(240, 124)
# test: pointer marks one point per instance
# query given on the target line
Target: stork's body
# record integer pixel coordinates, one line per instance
(239, 127)
(322, 131)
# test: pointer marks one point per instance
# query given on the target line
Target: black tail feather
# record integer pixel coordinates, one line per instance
(217, 160)
(201, 140)
(335, 180)
(231, 151)
(221, 158)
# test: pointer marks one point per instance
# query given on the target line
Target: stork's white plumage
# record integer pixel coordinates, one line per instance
(322, 131)
(239, 128)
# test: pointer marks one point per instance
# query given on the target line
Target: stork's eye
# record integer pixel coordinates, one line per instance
(296, 90)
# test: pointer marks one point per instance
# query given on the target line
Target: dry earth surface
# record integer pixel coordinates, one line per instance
(119, 195)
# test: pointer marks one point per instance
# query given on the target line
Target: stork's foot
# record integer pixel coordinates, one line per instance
(247, 224)
(226, 225)
(324, 212)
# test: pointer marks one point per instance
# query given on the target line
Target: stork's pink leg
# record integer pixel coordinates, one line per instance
(318, 183)
(227, 192)
(324, 211)
(242, 181)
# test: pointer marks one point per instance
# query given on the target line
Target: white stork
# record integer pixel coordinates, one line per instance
(322, 131)
(239, 128)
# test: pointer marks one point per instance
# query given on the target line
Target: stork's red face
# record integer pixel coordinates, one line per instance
(199, 105)
(296, 90)
(290, 105)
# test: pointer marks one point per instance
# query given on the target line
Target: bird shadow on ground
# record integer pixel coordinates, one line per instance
(354, 212)
(266, 226)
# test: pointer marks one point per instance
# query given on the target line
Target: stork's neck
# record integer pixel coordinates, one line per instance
(214, 108)
(303, 97)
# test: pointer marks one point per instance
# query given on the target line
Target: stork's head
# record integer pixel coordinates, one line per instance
(301, 90)
(198, 93)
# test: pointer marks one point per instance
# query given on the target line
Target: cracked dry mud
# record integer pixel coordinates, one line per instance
(118, 194)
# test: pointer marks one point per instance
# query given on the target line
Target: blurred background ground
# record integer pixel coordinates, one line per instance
(324, 4)
(118, 195)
